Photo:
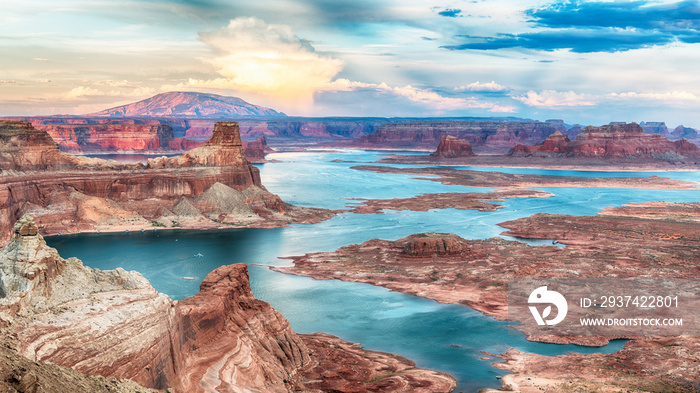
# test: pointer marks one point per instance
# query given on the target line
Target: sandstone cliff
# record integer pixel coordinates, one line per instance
(114, 324)
(118, 138)
(452, 147)
(611, 141)
(491, 136)
(255, 150)
(22, 147)
(74, 194)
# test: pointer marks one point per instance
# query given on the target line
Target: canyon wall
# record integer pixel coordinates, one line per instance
(611, 141)
(73, 194)
(489, 136)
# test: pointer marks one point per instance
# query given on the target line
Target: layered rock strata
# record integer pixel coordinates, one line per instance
(612, 141)
(73, 194)
(114, 324)
(489, 136)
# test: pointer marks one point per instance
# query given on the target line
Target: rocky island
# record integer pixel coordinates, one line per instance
(474, 273)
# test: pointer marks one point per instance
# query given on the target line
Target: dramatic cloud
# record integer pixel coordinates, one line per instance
(252, 56)
(585, 27)
(579, 41)
(489, 87)
(684, 15)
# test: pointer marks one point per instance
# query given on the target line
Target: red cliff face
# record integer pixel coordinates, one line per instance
(612, 141)
(451, 147)
(483, 135)
(255, 150)
(73, 194)
(93, 136)
(22, 147)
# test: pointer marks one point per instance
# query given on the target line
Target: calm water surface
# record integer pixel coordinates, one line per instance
(449, 338)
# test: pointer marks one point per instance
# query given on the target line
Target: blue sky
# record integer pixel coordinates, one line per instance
(584, 62)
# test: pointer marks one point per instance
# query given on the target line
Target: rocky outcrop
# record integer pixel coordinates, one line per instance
(611, 141)
(190, 104)
(114, 324)
(19, 374)
(684, 132)
(654, 127)
(482, 135)
(255, 150)
(452, 147)
(428, 244)
(22, 147)
(73, 194)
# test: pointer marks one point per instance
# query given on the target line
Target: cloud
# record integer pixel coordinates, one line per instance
(556, 99)
(12, 82)
(579, 41)
(678, 16)
(586, 27)
(425, 97)
(490, 87)
(83, 92)
(673, 96)
(450, 12)
(251, 56)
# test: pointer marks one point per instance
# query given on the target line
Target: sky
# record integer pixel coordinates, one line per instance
(587, 62)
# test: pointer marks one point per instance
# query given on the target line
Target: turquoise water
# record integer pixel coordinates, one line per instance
(443, 337)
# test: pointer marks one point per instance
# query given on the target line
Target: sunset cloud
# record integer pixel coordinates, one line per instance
(253, 56)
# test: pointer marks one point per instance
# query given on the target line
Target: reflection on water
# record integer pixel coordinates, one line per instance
(438, 336)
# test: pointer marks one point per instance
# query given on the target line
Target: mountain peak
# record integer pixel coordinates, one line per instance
(190, 104)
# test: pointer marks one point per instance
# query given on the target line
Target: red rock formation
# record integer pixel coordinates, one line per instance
(428, 244)
(116, 137)
(451, 147)
(22, 147)
(82, 194)
(113, 323)
(612, 141)
(255, 150)
(484, 135)
(223, 149)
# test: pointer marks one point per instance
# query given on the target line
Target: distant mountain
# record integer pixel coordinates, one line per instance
(191, 105)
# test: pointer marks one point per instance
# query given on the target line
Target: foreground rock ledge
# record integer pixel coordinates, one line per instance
(114, 324)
